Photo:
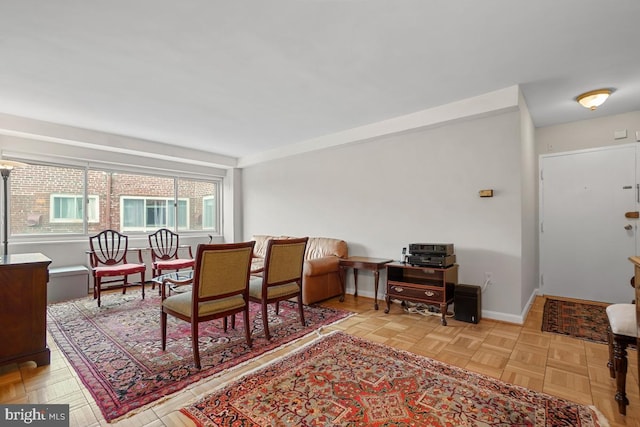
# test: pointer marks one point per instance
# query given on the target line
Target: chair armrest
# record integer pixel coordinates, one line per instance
(173, 284)
(186, 247)
(257, 265)
(92, 259)
(256, 272)
(139, 251)
(324, 265)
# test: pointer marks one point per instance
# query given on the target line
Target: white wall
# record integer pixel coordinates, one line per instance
(416, 187)
(232, 206)
(587, 133)
(530, 259)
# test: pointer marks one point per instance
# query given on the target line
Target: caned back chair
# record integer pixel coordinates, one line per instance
(109, 263)
(281, 278)
(220, 288)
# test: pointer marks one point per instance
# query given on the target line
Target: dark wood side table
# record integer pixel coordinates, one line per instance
(23, 308)
(361, 263)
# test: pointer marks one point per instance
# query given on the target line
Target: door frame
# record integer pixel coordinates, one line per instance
(541, 219)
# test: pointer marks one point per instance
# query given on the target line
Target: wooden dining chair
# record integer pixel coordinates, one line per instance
(109, 263)
(621, 332)
(220, 288)
(164, 245)
(281, 278)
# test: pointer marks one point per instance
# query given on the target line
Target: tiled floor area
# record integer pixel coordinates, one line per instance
(519, 354)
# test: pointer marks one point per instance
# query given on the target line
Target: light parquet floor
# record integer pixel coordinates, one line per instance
(518, 354)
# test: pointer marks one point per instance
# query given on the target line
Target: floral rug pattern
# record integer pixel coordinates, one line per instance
(116, 348)
(342, 380)
(577, 319)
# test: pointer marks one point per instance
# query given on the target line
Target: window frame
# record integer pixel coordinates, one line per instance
(171, 203)
(95, 209)
(88, 225)
(216, 224)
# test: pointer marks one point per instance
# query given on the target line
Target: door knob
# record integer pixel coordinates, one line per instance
(628, 227)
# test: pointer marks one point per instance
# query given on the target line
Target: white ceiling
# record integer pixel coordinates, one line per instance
(242, 77)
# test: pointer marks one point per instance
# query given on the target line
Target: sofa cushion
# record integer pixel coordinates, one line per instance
(622, 319)
(257, 266)
(260, 248)
(319, 247)
(315, 267)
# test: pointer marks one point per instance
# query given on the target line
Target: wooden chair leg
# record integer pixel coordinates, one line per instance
(124, 287)
(301, 309)
(224, 324)
(156, 273)
(620, 363)
(142, 283)
(265, 320)
(163, 328)
(247, 328)
(277, 308)
(194, 342)
(98, 290)
(610, 365)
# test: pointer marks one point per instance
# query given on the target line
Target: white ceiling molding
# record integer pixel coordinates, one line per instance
(496, 102)
(37, 130)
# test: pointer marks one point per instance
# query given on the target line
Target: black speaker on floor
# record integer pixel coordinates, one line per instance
(466, 303)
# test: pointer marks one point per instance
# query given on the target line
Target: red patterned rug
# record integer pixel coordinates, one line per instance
(341, 380)
(583, 320)
(116, 349)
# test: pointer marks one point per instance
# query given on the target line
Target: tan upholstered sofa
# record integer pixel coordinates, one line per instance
(321, 273)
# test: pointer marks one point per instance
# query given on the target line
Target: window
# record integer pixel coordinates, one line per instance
(48, 199)
(204, 211)
(144, 214)
(69, 208)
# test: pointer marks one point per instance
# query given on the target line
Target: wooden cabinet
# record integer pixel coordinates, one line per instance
(427, 285)
(23, 308)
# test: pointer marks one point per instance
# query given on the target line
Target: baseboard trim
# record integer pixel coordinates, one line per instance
(486, 314)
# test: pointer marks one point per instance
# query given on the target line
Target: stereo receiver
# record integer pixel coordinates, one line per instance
(442, 249)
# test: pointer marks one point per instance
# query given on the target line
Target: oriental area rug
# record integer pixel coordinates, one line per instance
(342, 380)
(583, 320)
(116, 348)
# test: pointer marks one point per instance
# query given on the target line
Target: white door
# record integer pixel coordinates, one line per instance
(585, 237)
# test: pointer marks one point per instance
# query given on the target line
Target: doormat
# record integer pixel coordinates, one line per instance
(342, 380)
(583, 320)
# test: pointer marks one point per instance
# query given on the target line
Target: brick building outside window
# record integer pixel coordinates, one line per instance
(51, 200)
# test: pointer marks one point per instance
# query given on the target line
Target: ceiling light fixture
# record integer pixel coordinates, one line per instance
(594, 98)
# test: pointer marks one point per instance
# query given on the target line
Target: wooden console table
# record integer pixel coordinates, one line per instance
(428, 285)
(23, 309)
(361, 263)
